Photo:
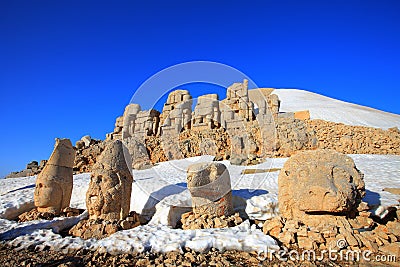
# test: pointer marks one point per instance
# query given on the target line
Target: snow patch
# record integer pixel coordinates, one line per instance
(329, 109)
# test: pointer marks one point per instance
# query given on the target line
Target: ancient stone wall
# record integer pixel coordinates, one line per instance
(241, 110)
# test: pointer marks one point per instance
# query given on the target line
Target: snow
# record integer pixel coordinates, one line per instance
(329, 109)
(160, 193)
(142, 238)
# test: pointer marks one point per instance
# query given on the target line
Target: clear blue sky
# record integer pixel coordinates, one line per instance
(68, 68)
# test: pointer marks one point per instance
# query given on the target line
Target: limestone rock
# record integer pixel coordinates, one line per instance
(293, 135)
(109, 193)
(349, 139)
(320, 181)
(80, 144)
(32, 165)
(32, 168)
(394, 130)
(136, 123)
(302, 115)
(391, 249)
(139, 154)
(191, 221)
(86, 157)
(86, 139)
(177, 113)
(34, 214)
(238, 153)
(100, 228)
(54, 184)
(206, 114)
(210, 187)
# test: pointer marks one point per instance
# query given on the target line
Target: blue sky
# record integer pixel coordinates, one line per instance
(68, 68)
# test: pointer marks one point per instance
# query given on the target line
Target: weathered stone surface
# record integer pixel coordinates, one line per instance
(109, 193)
(238, 151)
(302, 115)
(394, 130)
(86, 157)
(136, 123)
(206, 114)
(100, 228)
(86, 139)
(79, 144)
(273, 226)
(195, 221)
(177, 113)
(34, 214)
(293, 135)
(32, 165)
(330, 183)
(210, 187)
(237, 99)
(320, 204)
(139, 154)
(350, 139)
(54, 184)
(391, 249)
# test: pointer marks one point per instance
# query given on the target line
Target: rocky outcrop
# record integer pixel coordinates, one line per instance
(32, 168)
(86, 156)
(293, 135)
(350, 139)
(34, 214)
(99, 228)
(337, 233)
(191, 221)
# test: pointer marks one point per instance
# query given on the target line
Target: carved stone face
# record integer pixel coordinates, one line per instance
(320, 181)
(102, 195)
(210, 187)
(54, 184)
(109, 192)
(48, 196)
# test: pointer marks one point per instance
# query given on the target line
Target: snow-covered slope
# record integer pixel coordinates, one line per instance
(163, 189)
(329, 109)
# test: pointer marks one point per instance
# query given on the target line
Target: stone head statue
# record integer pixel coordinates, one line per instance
(210, 187)
(109, 193)
(54, 184)
(319, 182)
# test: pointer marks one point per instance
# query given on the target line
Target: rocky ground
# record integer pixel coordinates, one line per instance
(30, 257)
(292, 135)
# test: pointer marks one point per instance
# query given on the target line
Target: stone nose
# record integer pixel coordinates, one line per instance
(321, 191)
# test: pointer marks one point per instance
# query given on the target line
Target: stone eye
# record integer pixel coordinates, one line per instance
(341, 174)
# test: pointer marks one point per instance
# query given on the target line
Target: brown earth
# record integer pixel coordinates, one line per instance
(29, 257)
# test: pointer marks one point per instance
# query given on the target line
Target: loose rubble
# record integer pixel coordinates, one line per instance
(326, 212)
(350, 139)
